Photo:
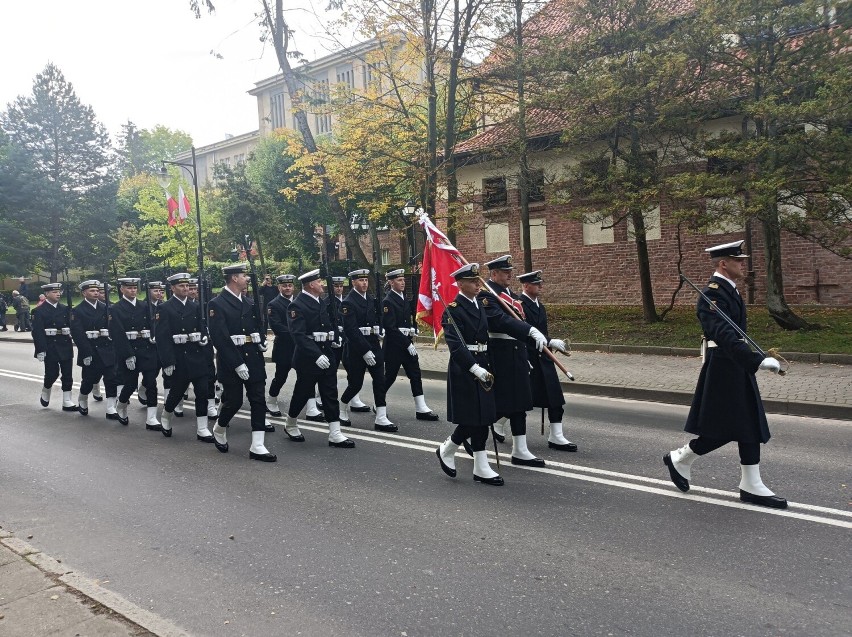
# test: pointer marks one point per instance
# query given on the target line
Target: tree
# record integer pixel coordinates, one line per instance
(70, 155)
(141, 150)
(783, 69)
(20, 248)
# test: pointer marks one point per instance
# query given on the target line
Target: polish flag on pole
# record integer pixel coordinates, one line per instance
(437, 285)
(183, 205)
(173, 206)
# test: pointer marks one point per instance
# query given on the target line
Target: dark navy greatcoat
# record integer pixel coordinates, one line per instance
(509, 360)
(544, 379)
(229, 316)
(56, 348)
(88, 318)
(727, 404)
(306, 316)
(356, 312)
(397, 313)
(189, 359)
(125, 317)
(284, 348)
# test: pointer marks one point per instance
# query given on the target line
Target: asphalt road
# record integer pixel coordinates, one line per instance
(377, 541)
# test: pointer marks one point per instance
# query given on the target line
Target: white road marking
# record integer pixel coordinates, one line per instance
(556, 468)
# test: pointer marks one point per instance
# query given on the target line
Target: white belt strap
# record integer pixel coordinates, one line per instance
(479, 347)
(238, 339)
(366, 331)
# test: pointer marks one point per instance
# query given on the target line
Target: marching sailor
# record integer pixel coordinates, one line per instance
(51, 330)
(313, 334)
(362, 351)
(212, 408)
(507, 350)
(95, 353)
(283, 348)
(546, 390)
(398, 346)
(727, 406)
(356, 404)
(155, 298)
(182, 347)
(240, 343)
(131, 333)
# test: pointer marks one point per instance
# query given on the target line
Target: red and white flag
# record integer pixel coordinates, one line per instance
(183, 205)
(437, 285)
(173, 206)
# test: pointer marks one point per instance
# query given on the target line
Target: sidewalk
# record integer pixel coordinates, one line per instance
(811, 388)
(41, 596)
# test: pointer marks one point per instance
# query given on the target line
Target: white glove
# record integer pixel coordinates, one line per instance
(40, 356)
(323, 362)
(87, 361)
(168, 371)
(369, 358)
(203, 341)
(262, 346)
(770, 364)
(131, 363)
(538, 337)
(480, 372)
(557, 344)
(412, 350)
(242, 372)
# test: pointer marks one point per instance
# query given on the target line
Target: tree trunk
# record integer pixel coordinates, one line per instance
(260, 254)
(523, 161)
(775, 302)
(431, 186)
(649, 310)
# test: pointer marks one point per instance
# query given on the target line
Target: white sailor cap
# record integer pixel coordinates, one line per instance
(49, 287)
(237, 268)
(338, 280)
(129, 281)
(193, 282)
(501, 263)
(158, 285)
(285, 278)
(530, 277)
(363, 273)
(307, 277)
(732, 249)
(91, 283)
(395, 274)
(180, 277)
(469, 271)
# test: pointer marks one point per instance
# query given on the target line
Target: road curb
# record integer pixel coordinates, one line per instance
(90, 590)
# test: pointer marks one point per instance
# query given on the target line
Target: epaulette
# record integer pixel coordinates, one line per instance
(454, 304)
(713, 286)
(485, 300)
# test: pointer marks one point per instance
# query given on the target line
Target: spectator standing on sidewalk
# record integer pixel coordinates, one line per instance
(3, 308)
(22, 312)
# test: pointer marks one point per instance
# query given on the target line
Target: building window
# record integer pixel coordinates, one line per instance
(598, 231)
(536, 186)
(276, 110)
(386, 258)
(652, 226)
(497, 236)
(346, 77)
(371, 77)
(493, 192)
(538, 233)
(322, 116)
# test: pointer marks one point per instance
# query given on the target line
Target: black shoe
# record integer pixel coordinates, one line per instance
(43, 402)
(299, 438)
(499, 438)
(98, 398)
(276, 413)
(178, 414)
(318, 418)
(263, 457)
(496, 481)
(201, 438)
(144, 403)
(83, 411)
(345, 423)
(532, 462)
(124, 421)
(270, 429)
(154, 427)
(569, 447)
(219, 446)
(72, 408)
(112, 416)
(427, 415)
(319, 405)
(360, 410)
(771, 501)
(166, 432)
(467, 448)
(213, 418)
(388, 428)
(448, 470)
(345, 444)
(679, 481)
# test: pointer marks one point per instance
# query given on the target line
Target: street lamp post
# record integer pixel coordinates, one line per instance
(165, 180)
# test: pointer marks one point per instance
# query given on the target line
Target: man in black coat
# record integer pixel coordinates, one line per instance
(95, 353)
(53, 346)
(3, 309)
(313, 334)
(182, 343)
(544, 380)
(727, 406)
(508, 353)
(362, 351)
(355, 403)
(398, 347)
(131, 329)
(212, 407)
(283, 348)
(240, 342)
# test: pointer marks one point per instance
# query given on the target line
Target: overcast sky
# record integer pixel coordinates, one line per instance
(149, 60)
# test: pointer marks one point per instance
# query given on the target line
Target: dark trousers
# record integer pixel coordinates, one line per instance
(326, 381)
(211, 375)
(477, 436)
(52, 370)
(130, 380)
(178, 387)
(282, 370)
(23, 322)
(411, 365)
(555, 414)
(749, 451)
(92, 375)
(517, 421)
(355, 369)
(232, 400)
